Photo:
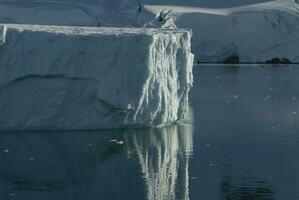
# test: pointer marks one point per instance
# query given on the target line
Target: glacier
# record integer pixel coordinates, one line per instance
(60, 77)
(255, 32)
(69, 12)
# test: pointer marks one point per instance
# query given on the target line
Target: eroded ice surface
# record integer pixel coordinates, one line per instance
(54, 77)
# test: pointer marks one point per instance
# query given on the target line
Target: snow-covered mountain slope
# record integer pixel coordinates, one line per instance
(54, 77)
(70, 12)
(248, 30)
(204, 3)
(254, 33)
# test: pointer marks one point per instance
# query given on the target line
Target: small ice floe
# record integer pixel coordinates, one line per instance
(217, 77)
(31, 159)
(193, 178)
(269, 77)
(208, 145)
(234, 96)
(293, 98)
(129, 107)
(11, 194)
(294, 113)
(271, 89)
(90, 145)
(273, 127)
(266, 98)
(6, 150)
(120, 142)
(211, 164)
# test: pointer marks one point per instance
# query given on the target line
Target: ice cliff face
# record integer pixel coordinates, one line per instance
(76, 78)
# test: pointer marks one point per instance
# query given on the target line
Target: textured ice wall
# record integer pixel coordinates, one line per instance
(86, 78)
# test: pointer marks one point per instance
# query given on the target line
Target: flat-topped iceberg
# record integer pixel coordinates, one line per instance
(57, 77)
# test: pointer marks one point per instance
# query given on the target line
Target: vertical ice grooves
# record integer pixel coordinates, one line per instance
(164, 97)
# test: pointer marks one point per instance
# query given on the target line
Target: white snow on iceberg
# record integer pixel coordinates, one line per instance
(55, 77)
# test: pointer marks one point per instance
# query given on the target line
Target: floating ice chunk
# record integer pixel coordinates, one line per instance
(234, 96)
(266, 98)
(120, 142)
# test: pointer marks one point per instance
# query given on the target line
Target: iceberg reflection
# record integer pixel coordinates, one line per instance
(96, 164)
(164, 158)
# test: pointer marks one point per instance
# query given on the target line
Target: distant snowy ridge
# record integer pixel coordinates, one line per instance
(70, 12)
(247, 32)
(253, 33)
(55, 77)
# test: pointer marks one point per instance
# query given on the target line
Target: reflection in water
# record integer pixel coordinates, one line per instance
(164, 158)
(88, 165)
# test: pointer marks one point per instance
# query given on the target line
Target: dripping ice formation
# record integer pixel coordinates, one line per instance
(55, 77)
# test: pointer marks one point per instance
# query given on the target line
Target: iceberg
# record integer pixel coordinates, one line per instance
(60, 77)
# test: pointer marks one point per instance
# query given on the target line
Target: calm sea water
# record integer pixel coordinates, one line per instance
(241, 141)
